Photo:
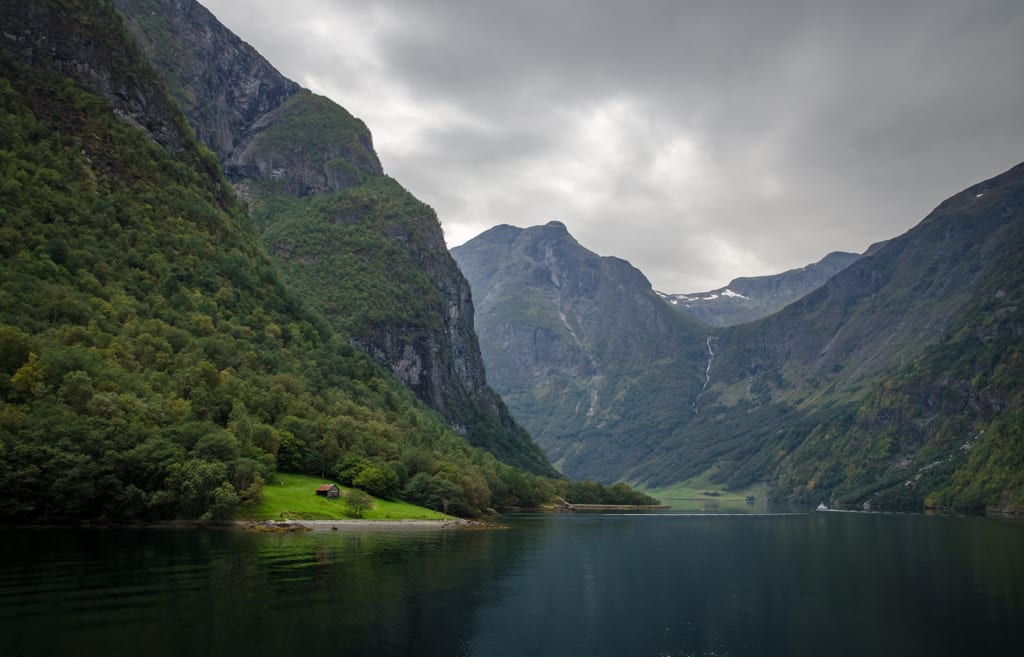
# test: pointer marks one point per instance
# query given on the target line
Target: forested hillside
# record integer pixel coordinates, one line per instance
(153, 364)
(942, 424)
(363, 253)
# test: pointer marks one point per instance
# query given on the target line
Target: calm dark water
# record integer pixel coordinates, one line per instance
(827, 584)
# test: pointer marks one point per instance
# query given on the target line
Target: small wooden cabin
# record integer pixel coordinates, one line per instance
(329, 491)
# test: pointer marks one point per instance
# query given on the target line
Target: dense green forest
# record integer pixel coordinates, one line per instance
(153, 364)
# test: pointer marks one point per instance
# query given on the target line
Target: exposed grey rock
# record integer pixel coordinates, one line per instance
(576, 342)
(222, 84)
(38, 34)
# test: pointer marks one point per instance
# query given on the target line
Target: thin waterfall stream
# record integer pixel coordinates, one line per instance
(707, 375)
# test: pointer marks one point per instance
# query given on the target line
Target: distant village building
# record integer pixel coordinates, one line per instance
(328, 490)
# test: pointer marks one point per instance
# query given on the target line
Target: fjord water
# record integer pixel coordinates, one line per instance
(558, 585)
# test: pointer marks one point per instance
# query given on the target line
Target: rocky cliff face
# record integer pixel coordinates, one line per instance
(577, 344)
(278, 154)
(748, 298)
(362, 250)
(35, 33)
(257, 121)
(222, 84)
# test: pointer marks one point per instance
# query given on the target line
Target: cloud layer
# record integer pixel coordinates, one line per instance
(699, 140)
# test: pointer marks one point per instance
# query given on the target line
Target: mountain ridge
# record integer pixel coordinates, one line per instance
(319, 195)
(830, 397)
(556, 325)
(748, 298)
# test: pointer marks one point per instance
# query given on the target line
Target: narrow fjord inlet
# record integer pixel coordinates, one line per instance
(272, 383)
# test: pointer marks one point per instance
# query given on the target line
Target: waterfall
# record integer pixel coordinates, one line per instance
(707, 375)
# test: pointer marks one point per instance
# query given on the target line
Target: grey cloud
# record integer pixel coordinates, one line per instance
(816, 126)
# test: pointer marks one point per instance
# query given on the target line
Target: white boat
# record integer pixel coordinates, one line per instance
(822, 507)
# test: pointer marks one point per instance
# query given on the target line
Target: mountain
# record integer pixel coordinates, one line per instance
(896, 383)
(580, 346)
(890, 368)
(358, 248)
(153, 363)
(749, 298)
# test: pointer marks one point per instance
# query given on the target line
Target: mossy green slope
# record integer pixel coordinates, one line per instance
(897, 384)
(334, 249)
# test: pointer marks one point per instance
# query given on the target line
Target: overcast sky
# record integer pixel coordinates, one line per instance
(700, 140)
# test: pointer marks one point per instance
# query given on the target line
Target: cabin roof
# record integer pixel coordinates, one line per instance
(325, 487)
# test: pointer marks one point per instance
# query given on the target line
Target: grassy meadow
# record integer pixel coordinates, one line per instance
(293, 497)
(699, 494)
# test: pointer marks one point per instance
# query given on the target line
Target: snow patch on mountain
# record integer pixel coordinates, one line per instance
(749, 298)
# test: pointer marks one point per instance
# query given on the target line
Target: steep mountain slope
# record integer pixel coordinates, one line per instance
(896, 383)
(359, 248)
(890, 363)
(892, 303)
(749, 298)
(152, 363)
(218, 81)
(580, 346)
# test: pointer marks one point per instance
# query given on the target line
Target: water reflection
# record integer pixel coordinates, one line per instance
(668, 584)
(108, 592)
(813, 584)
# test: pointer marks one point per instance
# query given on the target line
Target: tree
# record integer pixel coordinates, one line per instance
(223, 504)
(199, 489)
(358, 503)
(30, 377)
(379, 481)
(290, 453)
(349, 467)
(438, 494)
(76, 390)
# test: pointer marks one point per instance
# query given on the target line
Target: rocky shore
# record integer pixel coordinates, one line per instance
(358, 525)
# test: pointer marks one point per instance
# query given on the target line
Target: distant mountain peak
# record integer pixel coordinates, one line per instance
(749, 298)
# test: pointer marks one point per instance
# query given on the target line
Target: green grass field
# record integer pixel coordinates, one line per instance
(692, 495)
(293, 497)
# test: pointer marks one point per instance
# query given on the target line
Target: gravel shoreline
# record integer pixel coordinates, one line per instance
(362, 525)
